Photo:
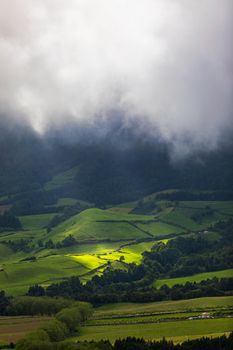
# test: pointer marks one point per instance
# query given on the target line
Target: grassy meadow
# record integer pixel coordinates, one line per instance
(194, 278)
(177, 331)
(170, 306)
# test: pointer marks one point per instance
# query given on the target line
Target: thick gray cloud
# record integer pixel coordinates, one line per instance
(167, 62)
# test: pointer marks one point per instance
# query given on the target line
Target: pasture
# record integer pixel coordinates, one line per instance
(194, 278)
(172, 330)
(171, 306)
(156, 320)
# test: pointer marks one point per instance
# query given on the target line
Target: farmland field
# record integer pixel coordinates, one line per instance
(176, 330)
(158, 319)
(14, 328)
(190, 305)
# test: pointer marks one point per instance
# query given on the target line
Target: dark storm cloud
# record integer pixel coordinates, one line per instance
(164, 63)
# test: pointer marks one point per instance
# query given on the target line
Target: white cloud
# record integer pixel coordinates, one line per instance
(168, 62)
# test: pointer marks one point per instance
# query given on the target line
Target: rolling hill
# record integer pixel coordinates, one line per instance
(112, 237)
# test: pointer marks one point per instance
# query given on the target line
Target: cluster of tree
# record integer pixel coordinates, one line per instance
(34, 202)
(226, 230)
(146, 206)
(4, 302)
(201, 214)
(65, 323)
(9, 221)
(219, 343)
(29, 305)
(100, 291)
(19, 245)
(187, 256)
(66, 242)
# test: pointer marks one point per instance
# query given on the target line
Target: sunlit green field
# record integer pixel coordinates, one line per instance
(15, 278)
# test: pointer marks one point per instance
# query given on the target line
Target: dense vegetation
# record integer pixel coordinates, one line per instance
(9, 221)
(65, 322)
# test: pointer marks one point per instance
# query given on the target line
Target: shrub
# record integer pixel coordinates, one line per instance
(71, 317)
(56, 330)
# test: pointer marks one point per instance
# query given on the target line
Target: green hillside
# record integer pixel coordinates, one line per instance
(104, 238)
(97, 224)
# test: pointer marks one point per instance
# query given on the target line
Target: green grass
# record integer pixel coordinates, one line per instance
(170, 330)
(66, 201)
(183, 218)
(88, 261)
(222, 206)
(190, 305)
(17, 277)
(195, 278)
(129, 257)
(97, 224)
(61, 179)
(139, 247)
(92, 248)
(5, 252)
(141, 319)
(35, 222)
(160, 228)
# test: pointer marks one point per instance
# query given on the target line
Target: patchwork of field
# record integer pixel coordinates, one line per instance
(170, 319)
(156, 320)
(113, 237)
(14, 328)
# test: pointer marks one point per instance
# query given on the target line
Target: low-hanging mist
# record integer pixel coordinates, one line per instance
(166, 64)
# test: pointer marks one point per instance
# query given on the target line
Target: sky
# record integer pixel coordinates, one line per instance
(165, 63)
